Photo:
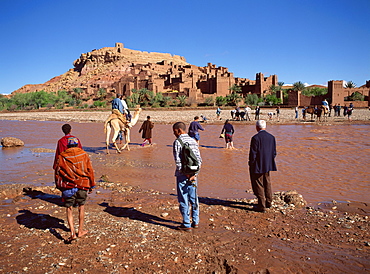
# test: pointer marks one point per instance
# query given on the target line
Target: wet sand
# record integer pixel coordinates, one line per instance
(132, 216)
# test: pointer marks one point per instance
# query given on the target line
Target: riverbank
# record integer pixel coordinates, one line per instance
(287, 116)
(132, 228)
(132, 231)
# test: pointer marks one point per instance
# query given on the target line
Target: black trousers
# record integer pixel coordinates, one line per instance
(261, 186)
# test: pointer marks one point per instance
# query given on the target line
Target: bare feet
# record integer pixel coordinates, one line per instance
(70, 239)
(82, 233)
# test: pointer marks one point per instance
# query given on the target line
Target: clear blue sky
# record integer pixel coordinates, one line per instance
(312, 41)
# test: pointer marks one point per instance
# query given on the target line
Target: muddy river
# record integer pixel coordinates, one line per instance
(322, 163)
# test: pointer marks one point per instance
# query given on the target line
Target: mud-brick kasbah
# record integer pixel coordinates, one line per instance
(120, 70)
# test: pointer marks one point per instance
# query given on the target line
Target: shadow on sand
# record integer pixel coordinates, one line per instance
(233, 204)
(42, 222)
(36, 194)
(135, 214)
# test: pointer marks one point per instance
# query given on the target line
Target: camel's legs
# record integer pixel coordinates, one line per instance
(108, 128)
(115, 134)
(126, 133)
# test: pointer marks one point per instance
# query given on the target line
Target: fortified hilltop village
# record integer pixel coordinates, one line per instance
(120, 70)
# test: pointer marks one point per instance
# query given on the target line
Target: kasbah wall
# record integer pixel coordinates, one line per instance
(336, 95)
(119, 70)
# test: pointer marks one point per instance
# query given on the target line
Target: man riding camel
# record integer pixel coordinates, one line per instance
(325, 104)
(117, 111)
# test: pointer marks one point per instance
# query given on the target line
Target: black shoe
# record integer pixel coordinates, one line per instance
(194, 225)
(268, 205)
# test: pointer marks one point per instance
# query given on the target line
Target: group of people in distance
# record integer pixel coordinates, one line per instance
(74, 175)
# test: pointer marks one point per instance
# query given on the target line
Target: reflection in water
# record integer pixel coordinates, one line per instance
(322, 163)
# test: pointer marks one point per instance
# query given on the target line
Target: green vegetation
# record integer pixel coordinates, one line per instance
(298, 86)
(209, 101)
(221, 101)
(355, 96)
(350, 84)
(315, 91)
(235, 89)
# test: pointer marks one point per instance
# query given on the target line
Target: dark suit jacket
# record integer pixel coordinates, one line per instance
(262, 153)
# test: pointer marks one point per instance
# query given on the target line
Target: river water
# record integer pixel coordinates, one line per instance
(323, 163)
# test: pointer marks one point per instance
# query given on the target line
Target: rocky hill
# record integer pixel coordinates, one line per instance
(102, 68)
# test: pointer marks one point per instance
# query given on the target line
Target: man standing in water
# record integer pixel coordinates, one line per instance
(186, 184)
(262, 155)
(193, 129)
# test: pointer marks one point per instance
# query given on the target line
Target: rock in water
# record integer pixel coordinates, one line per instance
(11, 142)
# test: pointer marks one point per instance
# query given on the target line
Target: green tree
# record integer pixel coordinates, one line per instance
(281, 84)
(182, 100)
(209, 101)
(4, 102)
(273, 89)
(314, 91)
(21, 100)
(233, 98)
(143, 96)
(158, 99)
(102, 93)
(298, 86)
(42, 98)
(221, 101)
(77, 92)
(271, 99)
(350, 84)
(166, 101)
(99, 104)
(356, 96)
(235, 89)
(252, 100)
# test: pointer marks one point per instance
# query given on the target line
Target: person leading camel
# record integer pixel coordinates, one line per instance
(146, 128)
(74, 176)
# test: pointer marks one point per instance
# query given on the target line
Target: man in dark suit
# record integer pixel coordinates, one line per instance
(262, 155)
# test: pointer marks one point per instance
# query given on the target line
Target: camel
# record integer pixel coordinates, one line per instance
(321, 110)
(117, 125)
(310, 110)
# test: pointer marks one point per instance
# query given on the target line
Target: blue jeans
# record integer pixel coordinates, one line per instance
(187, 196)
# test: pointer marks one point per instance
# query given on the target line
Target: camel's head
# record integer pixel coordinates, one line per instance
(138, 109)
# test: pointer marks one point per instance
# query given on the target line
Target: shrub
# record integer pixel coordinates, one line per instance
(221, 101)
(356, 96)
(182, 100)
(209, 101)
(99, 104)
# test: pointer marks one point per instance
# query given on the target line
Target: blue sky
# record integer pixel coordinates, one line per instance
(299, 40)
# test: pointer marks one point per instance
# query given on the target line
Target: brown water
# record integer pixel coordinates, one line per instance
(322, 163)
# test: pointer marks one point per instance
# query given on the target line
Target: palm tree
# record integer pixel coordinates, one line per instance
(298, 86)
(235, 88)
(350, 84)
(280, 84)
(273, 89)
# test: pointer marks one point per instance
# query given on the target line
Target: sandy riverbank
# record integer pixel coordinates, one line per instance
(186, 115)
